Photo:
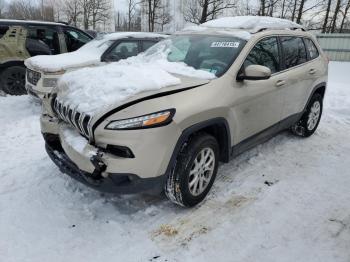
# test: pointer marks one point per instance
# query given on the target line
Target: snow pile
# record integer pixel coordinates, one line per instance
(94, 89)
(195, 28)
(245, 35)
(75, 140)
(87, 55)
(251, 22)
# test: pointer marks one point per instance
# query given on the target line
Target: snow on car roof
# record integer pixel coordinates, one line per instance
(195, 29)
(29, 22)
(119, 35)
(241, 26)
(251, 23)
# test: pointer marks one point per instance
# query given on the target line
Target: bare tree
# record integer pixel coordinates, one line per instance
(99, 11)
(132, 5)
(335, 16)
(301, 10)
(86, 12)
(72, 9)
(164, 17)
(325, 22)
(23, 9)
(152, 8)
(200, 11)
(345, 13)
(2, 7)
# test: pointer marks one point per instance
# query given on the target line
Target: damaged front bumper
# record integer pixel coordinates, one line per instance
(112, 183)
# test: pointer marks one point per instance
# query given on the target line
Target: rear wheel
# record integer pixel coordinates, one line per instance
(308, 123)
(12, 80)
(194, 172)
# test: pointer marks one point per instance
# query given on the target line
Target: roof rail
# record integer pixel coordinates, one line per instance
(291, 28)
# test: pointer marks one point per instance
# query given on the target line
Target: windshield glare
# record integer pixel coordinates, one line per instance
(214, 54)
(97, 45)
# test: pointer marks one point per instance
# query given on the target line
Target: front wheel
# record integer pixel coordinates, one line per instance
(308, 123)
(13, 80)
(194, 172)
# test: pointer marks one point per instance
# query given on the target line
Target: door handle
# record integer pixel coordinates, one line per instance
(280, 83)
(312, 71)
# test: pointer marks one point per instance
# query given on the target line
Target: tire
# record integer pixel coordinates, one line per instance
(308, 123)
(12, 80)
(177, 187)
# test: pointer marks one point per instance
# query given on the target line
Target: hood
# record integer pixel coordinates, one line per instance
(62, 62)
(96, 89)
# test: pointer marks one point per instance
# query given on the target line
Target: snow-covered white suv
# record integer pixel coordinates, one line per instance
(44, 71)
(164, 119)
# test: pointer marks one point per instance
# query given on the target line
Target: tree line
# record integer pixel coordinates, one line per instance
(328, 16)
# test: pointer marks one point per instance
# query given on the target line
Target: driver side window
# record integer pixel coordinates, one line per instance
(265, 53)
(122, 51)
(75, 39)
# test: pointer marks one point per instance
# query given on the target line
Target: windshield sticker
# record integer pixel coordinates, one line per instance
(225, 44)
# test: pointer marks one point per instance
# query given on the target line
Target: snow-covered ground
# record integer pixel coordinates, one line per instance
(285, 200)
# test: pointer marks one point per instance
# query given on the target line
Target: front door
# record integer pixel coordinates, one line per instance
(260, 102)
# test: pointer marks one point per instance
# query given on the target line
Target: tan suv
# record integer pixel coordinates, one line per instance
(265, 80)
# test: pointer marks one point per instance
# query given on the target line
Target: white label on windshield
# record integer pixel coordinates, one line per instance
(225, 44)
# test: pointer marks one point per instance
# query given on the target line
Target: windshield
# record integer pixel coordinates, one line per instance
(214, 54)
(98, 45)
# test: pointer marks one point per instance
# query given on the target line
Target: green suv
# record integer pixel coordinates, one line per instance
(20, 40)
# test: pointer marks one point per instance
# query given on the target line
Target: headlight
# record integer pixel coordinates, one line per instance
(50, 82)
(147, 121)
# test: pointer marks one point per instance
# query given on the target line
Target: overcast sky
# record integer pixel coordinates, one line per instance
(120, 5)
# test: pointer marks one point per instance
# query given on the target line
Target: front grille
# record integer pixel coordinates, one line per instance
(33, 77)
(70, 115)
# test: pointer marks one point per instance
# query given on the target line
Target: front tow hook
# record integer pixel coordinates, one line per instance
(99, 165)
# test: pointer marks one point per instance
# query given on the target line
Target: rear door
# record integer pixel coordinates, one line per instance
(261, 104)
(298, 75)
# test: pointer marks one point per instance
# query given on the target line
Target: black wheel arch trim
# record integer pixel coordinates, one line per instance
(12, 63)
(195, 128)
(320, 85)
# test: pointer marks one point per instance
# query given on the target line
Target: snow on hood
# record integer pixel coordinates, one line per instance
(251, 23)
(88, 55)
(92, 90)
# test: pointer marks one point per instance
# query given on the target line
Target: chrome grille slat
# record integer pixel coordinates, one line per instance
(78, 120)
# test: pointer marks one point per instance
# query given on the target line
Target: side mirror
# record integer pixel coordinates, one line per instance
(255, 72)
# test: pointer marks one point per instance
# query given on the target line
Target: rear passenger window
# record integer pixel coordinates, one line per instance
(3, 30)
(122, 51)
(147, 44)
(265, 53)
(311, 48)
(294, 51)
(44, 36)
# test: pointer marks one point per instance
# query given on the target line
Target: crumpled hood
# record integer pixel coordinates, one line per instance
(95, 90)
(186, 84)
